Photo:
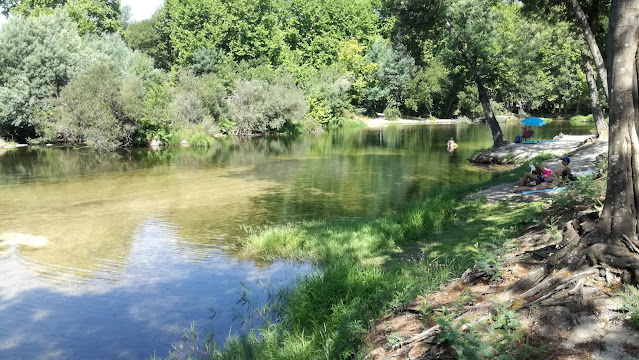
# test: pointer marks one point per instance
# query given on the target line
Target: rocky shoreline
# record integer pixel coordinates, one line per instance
(518, 153)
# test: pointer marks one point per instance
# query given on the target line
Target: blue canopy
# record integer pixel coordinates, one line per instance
(533, 121)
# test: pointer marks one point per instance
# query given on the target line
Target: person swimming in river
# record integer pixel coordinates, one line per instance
(452, 145)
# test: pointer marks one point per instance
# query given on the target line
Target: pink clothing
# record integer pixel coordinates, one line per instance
(547, 173)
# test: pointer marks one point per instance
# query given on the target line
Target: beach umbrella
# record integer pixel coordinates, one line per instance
(533, 121)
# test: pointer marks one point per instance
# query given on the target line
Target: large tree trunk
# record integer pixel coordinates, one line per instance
(592, 44)
(595, 106)
(622, 194)
(495, 129)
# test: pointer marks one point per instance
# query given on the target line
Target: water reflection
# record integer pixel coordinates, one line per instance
(132, 305)
(112, 255)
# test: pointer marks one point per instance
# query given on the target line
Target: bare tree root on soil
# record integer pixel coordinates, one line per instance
(583, 252)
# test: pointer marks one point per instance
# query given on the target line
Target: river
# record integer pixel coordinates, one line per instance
(111, 256)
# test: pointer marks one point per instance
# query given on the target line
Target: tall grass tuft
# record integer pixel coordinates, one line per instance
(201, 139)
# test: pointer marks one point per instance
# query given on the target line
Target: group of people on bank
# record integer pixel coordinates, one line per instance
(541, 178)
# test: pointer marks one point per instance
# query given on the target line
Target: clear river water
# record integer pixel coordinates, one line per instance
(111, 256)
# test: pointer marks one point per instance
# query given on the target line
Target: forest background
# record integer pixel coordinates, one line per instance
(80, 72)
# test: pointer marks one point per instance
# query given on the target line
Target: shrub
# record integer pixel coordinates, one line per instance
(156, 121)
(94, 109)
(392, 113)
(257, 106)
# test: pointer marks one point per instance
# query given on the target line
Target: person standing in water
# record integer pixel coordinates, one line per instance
(451, 145)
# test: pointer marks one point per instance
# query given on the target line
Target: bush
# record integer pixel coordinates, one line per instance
(257, 106)
(156, 121)
(96, 109)
(392, 113)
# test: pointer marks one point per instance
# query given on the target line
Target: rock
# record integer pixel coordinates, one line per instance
(474, 274)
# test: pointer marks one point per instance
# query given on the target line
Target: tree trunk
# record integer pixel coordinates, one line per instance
(592, 44)
(495, 129)
(595, 106)
(622, 194)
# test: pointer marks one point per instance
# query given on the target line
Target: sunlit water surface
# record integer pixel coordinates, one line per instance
(111, 256)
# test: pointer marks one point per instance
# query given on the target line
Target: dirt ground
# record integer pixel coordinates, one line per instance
(581, 321)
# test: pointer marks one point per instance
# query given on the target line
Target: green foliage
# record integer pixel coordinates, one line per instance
(392, 113)
(582, 120)
(327, 96)
(95, 17)
(156, 120)
(143, 36)
(98, 108)
(468, 104)
(257, 106)
(587, 190)
(631, 305)
(199, 100)
(112, 48)
(467, 344)
(387, 73)
(38, 56)
(314, 29)
(246, 29)
(90, 16)
(201, 139)
(424, 85)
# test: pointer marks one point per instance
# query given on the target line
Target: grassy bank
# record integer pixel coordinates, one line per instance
(370, 266)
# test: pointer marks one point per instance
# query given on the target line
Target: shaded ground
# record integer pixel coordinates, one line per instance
(518, 153)
(582, 158)
(580, 321)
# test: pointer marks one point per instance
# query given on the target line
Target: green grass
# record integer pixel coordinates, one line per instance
(370, 266)
(581, 120)
(201, 139)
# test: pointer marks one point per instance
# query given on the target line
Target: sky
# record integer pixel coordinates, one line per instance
(140, 9)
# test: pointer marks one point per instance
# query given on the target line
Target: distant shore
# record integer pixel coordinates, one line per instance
(380, 121)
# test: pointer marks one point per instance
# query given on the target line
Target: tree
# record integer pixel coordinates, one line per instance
(91, 16)
(38, 57)
(144, 37)
(620, 215)
(587, 16)
(245, 29)
(314, 30)
(473, 39)
(612, 244)
(98, 108)
(467, 33)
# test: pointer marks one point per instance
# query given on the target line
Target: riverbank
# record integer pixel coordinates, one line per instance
(399, 281)
(369, 266)
(479, 312)
(517, 153)
(380, 121)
